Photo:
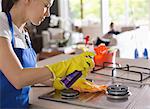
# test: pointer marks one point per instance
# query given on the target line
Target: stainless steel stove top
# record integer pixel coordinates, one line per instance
(100, 101)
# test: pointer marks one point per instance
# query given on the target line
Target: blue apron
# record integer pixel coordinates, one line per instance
(10, 97)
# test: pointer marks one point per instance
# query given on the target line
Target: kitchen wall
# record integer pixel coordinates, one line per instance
(128, 41)
(0, 5)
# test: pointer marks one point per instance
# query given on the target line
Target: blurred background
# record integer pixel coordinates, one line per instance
(72, 20)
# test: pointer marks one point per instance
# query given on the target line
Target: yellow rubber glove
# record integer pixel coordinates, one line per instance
(82, 62)
(57, 84)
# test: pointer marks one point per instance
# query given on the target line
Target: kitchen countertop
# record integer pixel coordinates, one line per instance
(45, 104)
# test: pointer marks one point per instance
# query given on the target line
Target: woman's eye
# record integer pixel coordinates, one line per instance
(46, 6)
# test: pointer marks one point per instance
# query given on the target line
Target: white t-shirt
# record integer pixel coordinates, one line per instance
(20, 41)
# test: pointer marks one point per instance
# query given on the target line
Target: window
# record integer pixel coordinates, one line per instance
(129, 11)
(85, 9)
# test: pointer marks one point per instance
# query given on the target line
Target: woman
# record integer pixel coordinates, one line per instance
(112, 30)
(18, 59)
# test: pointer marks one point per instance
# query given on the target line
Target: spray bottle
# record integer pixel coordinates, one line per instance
(70, 79)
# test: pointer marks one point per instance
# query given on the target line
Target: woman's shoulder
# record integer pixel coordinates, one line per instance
(3, 16)
(4, 28)
(3, 19)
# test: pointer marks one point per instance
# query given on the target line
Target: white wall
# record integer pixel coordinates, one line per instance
(128, 41)
(149, 14)
(105, 21)
(64, 14)
(0, 5)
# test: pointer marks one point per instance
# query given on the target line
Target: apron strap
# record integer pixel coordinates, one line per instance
(11, 28)
(12, 31)
(27, 41)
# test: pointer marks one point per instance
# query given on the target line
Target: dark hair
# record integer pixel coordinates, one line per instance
(7, 5)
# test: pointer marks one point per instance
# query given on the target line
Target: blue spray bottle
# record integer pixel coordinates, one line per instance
(136, 54)
(145, 53)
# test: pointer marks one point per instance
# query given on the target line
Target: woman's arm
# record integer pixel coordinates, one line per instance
(13, 70)
(47, 83)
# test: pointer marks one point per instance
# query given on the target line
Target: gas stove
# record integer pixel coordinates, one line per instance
(120, 95)
(127, 89)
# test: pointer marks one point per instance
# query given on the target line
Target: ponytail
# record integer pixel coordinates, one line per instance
(7, 5)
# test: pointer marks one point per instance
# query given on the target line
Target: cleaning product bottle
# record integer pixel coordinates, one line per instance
(87, 38)
(103, 55)
(136, 54)
(145, 54)
(71, 78)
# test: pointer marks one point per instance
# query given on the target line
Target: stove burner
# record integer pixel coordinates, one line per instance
(117, 92)
(69, 94)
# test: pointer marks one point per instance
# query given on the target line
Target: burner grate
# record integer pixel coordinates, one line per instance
(142, 75)
(106, 65)
(135, 70)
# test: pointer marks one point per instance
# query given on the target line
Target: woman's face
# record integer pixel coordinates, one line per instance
(37, 10)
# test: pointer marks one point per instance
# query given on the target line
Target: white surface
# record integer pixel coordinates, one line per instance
(0, 5)
(128, 41)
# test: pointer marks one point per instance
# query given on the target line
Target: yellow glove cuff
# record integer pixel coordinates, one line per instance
(51, 70)
(58, 85)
